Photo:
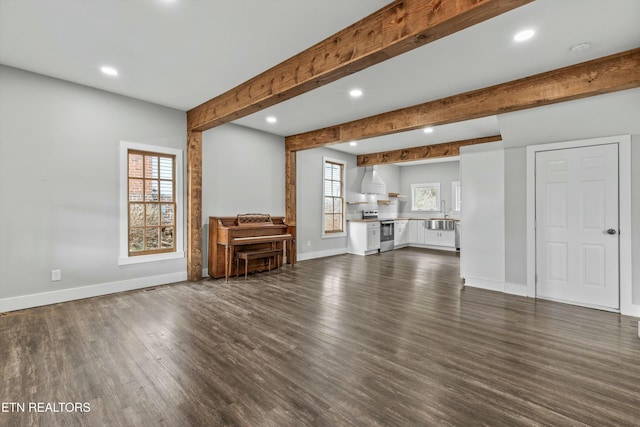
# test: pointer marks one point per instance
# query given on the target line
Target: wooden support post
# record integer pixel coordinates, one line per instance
(194, 205)
(290, 202)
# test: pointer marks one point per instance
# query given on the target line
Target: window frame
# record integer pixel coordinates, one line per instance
(456, 199)
(343, 231)
(414, 187)
(178, 252)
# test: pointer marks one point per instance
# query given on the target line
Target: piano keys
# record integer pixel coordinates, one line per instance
(246, 232)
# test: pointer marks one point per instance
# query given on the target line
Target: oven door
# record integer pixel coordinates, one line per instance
(386, 236)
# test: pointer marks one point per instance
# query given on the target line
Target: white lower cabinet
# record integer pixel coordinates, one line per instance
(416, 232)
(440, 238)
(419, 235)
(373, 236)
(412, 232)
(400, 233)
(364, 237)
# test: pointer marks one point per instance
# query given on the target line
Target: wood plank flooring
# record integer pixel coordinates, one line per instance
(385, 340)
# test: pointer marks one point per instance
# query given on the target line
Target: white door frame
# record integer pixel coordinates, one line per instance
(624, 176)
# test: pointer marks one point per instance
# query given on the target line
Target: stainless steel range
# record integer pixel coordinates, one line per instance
(386, 235)
(372, 214)
(386, 230)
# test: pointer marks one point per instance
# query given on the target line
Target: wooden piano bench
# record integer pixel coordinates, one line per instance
(257, 254)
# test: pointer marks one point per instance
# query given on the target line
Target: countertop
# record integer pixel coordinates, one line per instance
(398, 219)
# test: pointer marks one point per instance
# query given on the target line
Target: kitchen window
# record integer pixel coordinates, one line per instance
(425, 197)
(333, 197)
(151, 220)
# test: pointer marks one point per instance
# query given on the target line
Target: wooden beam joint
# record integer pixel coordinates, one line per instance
(612, 73)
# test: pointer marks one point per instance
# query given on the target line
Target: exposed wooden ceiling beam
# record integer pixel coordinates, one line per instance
(396, 28)
(446, 149)
(604, 75)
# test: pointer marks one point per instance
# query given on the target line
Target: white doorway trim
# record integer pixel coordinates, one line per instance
(624, 143)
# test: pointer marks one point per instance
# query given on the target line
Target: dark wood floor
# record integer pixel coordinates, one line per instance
(390, 339)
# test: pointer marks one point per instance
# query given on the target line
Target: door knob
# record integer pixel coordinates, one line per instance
(611, 231)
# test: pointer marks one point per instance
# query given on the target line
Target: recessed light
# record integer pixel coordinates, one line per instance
(353, 143)
(271, 119)
(428, 130)
(355, 93)
(580, 47)
(109, 71)
(523, 35)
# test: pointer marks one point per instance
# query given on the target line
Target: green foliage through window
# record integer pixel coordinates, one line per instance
(425, 197)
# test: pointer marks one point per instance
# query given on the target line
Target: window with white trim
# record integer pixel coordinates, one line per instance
(151, 203)
(333, 196)
(425, 197)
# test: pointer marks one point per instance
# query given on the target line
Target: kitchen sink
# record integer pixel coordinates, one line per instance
(440, 224)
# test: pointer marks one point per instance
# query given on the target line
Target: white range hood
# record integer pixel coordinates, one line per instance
(371, 182)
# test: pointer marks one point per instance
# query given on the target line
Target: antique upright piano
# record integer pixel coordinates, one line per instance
(246, 232)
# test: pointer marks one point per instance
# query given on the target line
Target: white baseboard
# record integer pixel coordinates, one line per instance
(504, 287)
(321, 254)
(439, 248)
(484, 284)
(515, 289)
(632, 310)
(63, 295)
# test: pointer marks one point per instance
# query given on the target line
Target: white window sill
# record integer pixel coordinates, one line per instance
(333, 235)
(149, 258)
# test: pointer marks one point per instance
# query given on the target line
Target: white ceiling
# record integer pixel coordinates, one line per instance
(180, 53)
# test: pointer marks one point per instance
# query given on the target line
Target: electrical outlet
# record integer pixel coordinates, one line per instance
(56, 275)
(308, 242)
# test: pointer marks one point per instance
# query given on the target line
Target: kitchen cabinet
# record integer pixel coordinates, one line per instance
(440, 238)
(373, 236)
(363, 237)
(419, 235)
(416, 232)
(400, 233)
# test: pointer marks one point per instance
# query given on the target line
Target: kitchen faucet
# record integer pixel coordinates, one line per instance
(443, 208)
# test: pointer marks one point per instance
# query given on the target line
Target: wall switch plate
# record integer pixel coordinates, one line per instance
(56, 275)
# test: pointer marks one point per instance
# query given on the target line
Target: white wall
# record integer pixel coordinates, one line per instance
(482, 237)
(242, 172)
(635, 216)
(443, 172)
(311, 243)
(599, 116)
(515, 214)
(59, 188)
(309, 168)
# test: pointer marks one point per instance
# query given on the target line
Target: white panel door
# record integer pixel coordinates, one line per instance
(577, 245)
